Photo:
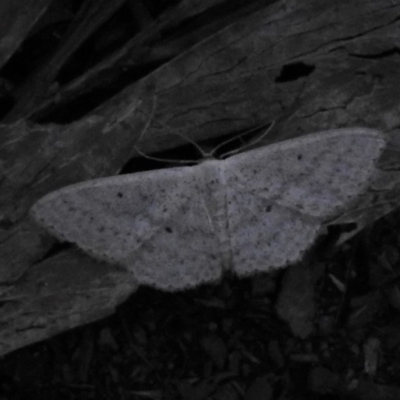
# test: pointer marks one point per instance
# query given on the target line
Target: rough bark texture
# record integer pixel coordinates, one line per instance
(308, 66)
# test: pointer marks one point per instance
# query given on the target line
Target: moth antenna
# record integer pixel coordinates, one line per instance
(166, 160)
(252, 143)
(149, 120)
(203, 153)
(185, 138)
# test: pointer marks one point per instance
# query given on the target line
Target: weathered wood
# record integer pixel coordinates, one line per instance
(65, 291)
(308, 66)
(15, 25)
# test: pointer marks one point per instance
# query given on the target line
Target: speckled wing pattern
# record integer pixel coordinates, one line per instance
(280, 195)
(153, 223)
(180, 227)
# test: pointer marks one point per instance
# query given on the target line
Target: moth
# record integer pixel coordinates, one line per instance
(180, 227)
